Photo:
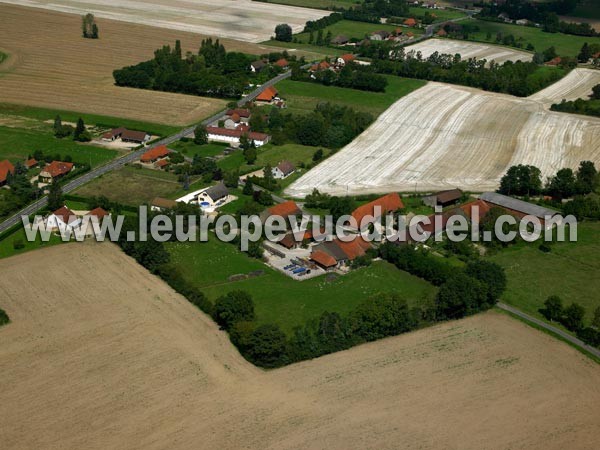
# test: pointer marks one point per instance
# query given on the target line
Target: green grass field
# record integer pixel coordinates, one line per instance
(17, 143)
(441, 14)
(565, 44)
(131, 185)
(7, 243)
(302, 97)
(282, 300)
(310, 52)
(571, 271)
(269, 154)
(190, 149)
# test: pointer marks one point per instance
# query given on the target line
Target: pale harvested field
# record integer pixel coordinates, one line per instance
(51, 66)
(443, 136)
(243, 20)
(469, 50)
(577, 84)
(100, 354)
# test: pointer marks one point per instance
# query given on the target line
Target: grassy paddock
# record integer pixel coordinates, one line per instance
(565, 44)
(280, 299)
(352, 29)
(310, 52)
(190, 149)
(7, 243)
(270, 154)
(131, 186)
(17, 143)
(571, 270)
(302, 97)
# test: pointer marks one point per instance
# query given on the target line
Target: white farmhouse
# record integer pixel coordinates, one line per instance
(283, 170)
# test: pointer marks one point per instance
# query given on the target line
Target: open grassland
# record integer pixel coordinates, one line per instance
(52, 66)
(565, 44)
(571, 271)
(111, 357)
(577, 84)
(16, 144)
(269, 154)
(282, 300)
(236, 19)
(444, 136)
(469, 50)
(302, 97)
(131, 185)
(353, 30)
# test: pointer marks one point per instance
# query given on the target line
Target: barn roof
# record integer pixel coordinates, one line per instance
(517, 205)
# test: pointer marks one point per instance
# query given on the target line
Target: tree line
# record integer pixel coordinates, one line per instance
(572, 317)
(589, 107)
(516, 78)
(352, 75)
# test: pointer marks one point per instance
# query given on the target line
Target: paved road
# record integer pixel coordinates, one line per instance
(130, 157)
(573, 340)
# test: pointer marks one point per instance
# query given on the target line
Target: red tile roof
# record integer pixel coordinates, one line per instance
(410, 22)
(239, 111)
(161, 163)
(388, 203)
(267, 95)
(58, 168)
(6, 167)
(465, 210)
(237, 132)
(282, 63)
(323, 259)
(285, 209)
(115, 132)
(98, 212)
(554, 61)
(65, 214)
(348, 57)
(442, 32)
(30, 163)
(153, 154)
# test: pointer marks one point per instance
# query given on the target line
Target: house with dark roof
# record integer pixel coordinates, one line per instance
(340, 39)
(136, 137)
(380, 35)
(257, 66)
(213, 196)
(283, 170)
(443, 198)
(54, 171)
(518, 208)
(113, 134)
(162, 204)
(6, 168)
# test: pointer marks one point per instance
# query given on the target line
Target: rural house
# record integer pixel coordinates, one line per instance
(62, 219)
(113, 134)
(232, 136)
(257, 66)
(285, 209)
(340, 39)
(137, 137)
(410, 22)
(473, 211)
(377, 208)
(154, 154)
(342, 252)
(323, 65)
(381, 35)
(6, 168)
(54, 171)
(282, 63)
(283, 170)
(267, 95)
(31, 163)
(162, 204)
(518, 208)
(236, 117)
(443, 198)
(213, 196)
(345, 59)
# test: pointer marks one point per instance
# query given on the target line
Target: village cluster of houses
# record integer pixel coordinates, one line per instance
(49, 173)
(64, 219)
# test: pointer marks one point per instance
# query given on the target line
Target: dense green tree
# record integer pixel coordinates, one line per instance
(89, 29)
(81, 134)
(3, 318)
(586, 177)
(461, 295)
(553, 308)
(380, 316)
(267, 346)
(250, 154)
(521, 180)
(585, 54)
(318, 155)
(283, 33)
(492, 275)
(562, 185)
(573, 317)
(55, 197)
(596, 319)
(248, 187)
(200, 135)
(233, 307)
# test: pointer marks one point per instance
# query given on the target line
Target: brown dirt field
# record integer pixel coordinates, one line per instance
(51, 65)
(101, 354)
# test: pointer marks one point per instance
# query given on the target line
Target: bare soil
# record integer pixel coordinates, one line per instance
(101, 354)
(50, 65)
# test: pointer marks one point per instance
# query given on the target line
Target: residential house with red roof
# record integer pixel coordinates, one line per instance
(54, 171)
(410, 22)
(379, 207)
(6, 168)
(267, 95)
(345, 59)
(232, 136)
(154, 154)
(62, 219)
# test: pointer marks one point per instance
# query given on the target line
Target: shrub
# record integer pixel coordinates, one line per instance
(4, 319)
(233, 307)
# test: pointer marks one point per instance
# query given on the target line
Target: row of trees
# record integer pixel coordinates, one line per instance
(572, 317)
(89, 29)
(354, 76)
(526, 180)
(590, 107)
(516, 78)
(79, 132)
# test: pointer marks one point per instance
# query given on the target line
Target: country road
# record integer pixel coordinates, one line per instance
(130, 157)
(566, 336)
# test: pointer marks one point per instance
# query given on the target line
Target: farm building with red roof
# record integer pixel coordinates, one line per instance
(267, 95)
(6, 167)
(155, 154)
(377, 208)
(55, 170)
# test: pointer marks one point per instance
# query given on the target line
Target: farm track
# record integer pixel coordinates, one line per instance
(111, 357)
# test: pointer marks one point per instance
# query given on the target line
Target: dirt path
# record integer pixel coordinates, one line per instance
(101, 354)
